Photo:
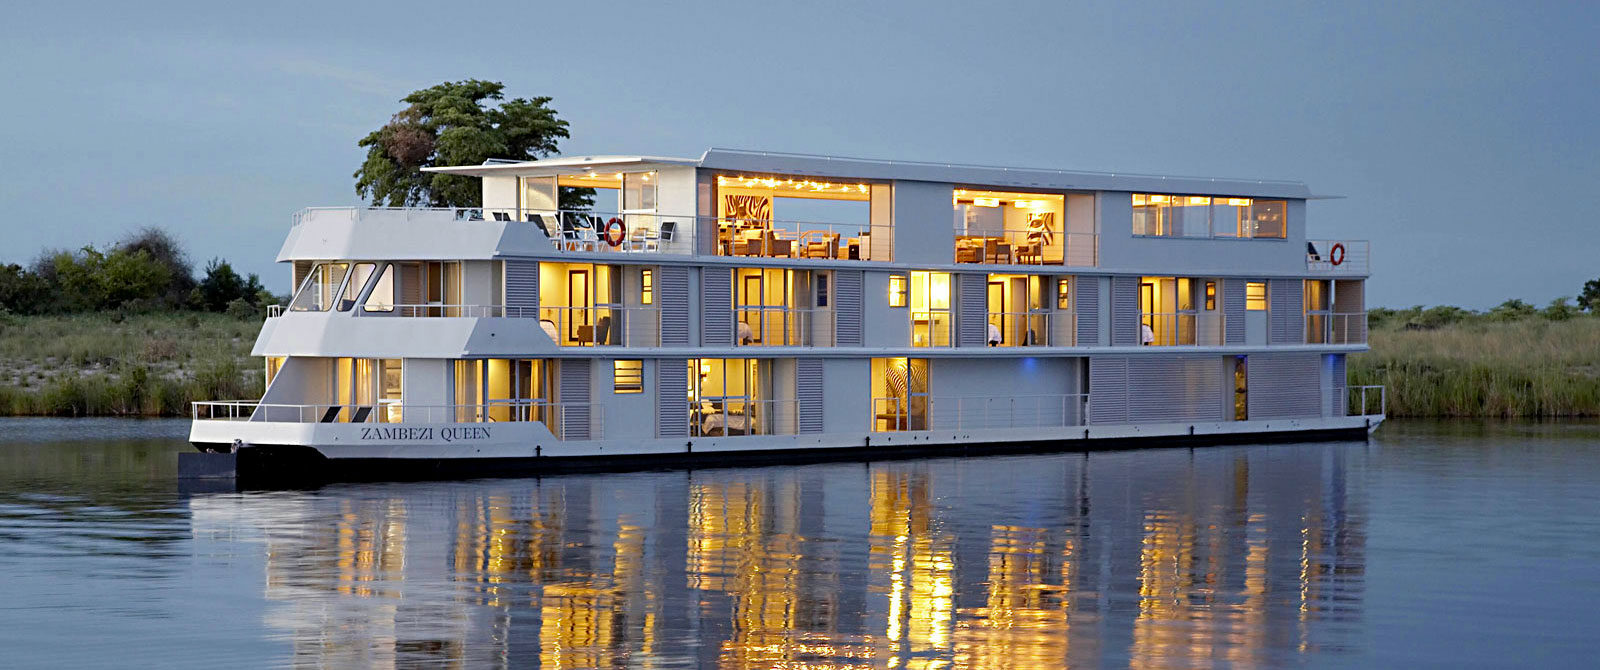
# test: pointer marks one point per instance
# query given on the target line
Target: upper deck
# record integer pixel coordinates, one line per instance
(786, 209)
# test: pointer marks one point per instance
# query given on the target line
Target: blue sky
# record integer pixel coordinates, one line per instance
(1462, 135)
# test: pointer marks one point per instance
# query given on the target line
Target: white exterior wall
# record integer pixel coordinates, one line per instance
(1121, 251)
(500, 193)
(427, 381)
(882, 325)
(478, 283)
(303, 380)
(624, 415)
(923, 232)
(1002, 377)
(848, 402)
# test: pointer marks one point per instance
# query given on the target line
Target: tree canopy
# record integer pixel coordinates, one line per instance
(450, 124)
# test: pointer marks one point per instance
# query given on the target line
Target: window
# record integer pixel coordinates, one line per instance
(1255, 296)
(352, 288)
(897, 291)
(822, 290)
(381, 299)
(1064, 293)
(1203, 216)
(931, 318)
(627, 376)
(316, 293)
(638, 191)
(647, 287)
(1211, 295)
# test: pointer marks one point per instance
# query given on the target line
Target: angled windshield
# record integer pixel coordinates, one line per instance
(319, 288)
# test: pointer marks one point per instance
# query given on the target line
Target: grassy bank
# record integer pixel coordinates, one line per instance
(1527, 368)
(107, 363)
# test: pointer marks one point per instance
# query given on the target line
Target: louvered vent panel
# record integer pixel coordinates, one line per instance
(1286, 322)
(972, 310)
(808, 393)
(573, 419)
(1338, 401)
(847, 307)
(1125, 311)
(1233, 310)
(410, 284)
(1108, 390)
(716, 307)
(301, 269)
(672, 296)
(1285, 386)
(1174, 389)
(522, 288)
(672, 393)
(1086, 303)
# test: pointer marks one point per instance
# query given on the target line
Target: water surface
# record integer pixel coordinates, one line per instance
(1442, 545)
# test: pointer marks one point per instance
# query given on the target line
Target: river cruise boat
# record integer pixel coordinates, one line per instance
(623, 311)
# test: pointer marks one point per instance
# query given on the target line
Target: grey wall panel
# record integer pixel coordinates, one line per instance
(575, 399)
(410, 284)
(1108, 390)
(716, 307)
(1285, 386)
(1338, 401)
(672, 296)
(1086, 304)
(1233, 308)
(1286, 320)
(808, 394)
(972, 310)
(522, 285)
(672, 410)
(1125, 311)
(847, 307)
(1176, 388)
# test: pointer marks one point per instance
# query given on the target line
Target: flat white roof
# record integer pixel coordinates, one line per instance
(839, 167)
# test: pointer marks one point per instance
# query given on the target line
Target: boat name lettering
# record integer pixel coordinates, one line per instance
(473, 433)
(396, 433)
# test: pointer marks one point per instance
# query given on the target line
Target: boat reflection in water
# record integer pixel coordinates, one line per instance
(1239, 556)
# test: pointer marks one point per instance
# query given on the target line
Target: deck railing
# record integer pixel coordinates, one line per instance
(933, 329)
(1176, 329)
(1367, 401)
(925, 412)
(566, 420)
(1021, 246)
(1338, 257)
(728, 417)
(447, 311)
(1032, 329)
(1323, 327)
(602, 325)
(782, 327)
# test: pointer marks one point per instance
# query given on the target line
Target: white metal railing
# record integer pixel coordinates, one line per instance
(1339, 257)
(1021, 246)
(782, 238)
(925, 412)
(1032, 329)
(726, 417)
(602, 325)
(448, 311)
(1364, 399)
(1172, 329)
(274, 310)
(932, 329)
(1324, 327)
(566, 420)
(782, 327)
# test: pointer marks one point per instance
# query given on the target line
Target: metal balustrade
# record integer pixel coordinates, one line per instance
(1024, 246)
(711, 416)
(1350, 258)
(1323, 327)
(580, 420)
(783, 327)
(1032, 329)
(1173, 329)
(926, 412)
(1363, 400)
(933, 329)
(602, 325)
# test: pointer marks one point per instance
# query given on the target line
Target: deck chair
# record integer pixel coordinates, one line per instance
(538, 222)
(331, 415)
(502, 216)
(602, 330)
(1311, 252)
(361, 414)
(668, 229)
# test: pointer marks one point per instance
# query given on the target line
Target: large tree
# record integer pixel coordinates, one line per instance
(450, 124)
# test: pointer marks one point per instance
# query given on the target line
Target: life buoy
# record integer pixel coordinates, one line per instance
(616, 232)
(1336, 254)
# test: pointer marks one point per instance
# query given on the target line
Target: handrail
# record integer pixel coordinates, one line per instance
(553, 414)
(777, 326)
(1363, 405)
(1201, 328)
(926, 412)
(1328, 327)
(274, 310)
(712, 416)
(1354, 257)
(425, 310)
(1014, 246)
(1039, 328)
(933, 329)
(602, 325)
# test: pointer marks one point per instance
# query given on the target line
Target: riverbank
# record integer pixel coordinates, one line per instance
(116, 364)
(1527, 368)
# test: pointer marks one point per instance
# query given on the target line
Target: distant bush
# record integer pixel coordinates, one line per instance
(147, 271)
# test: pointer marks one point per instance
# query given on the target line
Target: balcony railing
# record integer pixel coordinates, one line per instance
(567, 420)
(1032, 329)
(274, 310)
(782, 327)
(1338, 257)
(448, 311)
(932, 329)
(727, 417)
(1174, 329)
(923, 412)
(778, 238)
(1367, 401)
(1324, 327)
(1025, 247)
(602, 326)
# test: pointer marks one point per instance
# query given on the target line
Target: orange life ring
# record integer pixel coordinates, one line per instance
(616, 232)
(1336, 254)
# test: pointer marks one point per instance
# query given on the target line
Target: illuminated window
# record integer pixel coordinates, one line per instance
(647, 287)
(897, 290)
(1211, 295)
(1064, 293)
(1255, 296)
(1208, 216)
(822, 290)
(627, 376)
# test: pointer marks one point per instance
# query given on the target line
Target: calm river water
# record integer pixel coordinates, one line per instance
(1442, 545)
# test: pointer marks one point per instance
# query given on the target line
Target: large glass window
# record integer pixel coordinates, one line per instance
(638, 191)
(930, 309)
(899, 394)
(499, 389)
(317, 291)
(627, 376)
(1255, 296)
(1163, 215)
(381, 297)
(727, 396)
(352, 288)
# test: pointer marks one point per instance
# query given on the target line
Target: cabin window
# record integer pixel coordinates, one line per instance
(381, 298)
(1064, 293)
(352, 287)
(822, 289)
(638, 190)
(1255, 296)
(647, 287)
(391, 378)
(1211, 295)
(1165, 215)
(316, 292)
(627, 376)
(897, 290)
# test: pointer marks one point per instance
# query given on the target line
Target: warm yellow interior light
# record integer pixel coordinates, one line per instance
(1199, 200)
(1158, 199)
(1239, 202)
(987, 202)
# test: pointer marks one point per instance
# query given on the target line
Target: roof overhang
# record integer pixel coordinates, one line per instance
(564, 165)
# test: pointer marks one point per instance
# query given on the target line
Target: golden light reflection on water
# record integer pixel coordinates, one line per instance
(1148, 559)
